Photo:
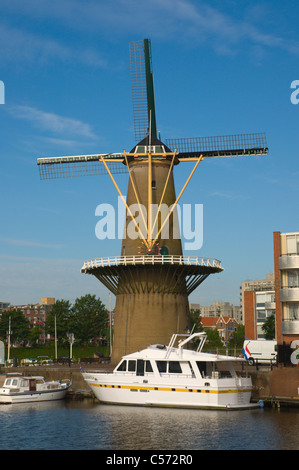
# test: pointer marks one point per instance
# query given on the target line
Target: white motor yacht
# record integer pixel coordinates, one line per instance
(170, 376)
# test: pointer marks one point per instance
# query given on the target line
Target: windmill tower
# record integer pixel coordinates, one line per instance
(151, 278)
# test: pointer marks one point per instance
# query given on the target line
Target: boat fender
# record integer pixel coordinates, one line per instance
(261, 404)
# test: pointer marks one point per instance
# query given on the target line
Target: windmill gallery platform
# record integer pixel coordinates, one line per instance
(276, 387)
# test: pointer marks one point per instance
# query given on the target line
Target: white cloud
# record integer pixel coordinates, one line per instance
(51, 121)
(27, 46)
(187, 20)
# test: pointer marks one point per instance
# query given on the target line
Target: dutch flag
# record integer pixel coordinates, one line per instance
(246, 352)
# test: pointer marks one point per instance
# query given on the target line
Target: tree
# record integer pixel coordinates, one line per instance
(268, 327)
(19, 326)
(213, 338)
(61, 313)
(238, 337)
(196, 325)
(89, 319)
(34, 334)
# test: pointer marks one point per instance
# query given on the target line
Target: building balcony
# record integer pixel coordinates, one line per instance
(288, 261)
(270, 305)
(289, 294)
(290, 327)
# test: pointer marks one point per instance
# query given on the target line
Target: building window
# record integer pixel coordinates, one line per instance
(292, 244)
(293, 310)
(293, 278)
(261, 316)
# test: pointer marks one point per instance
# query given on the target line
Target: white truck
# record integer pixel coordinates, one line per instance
(260, 351)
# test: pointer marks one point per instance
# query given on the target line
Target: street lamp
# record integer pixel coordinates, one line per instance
(71, 340)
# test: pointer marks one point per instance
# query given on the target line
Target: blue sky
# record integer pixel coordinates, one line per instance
(221, 67)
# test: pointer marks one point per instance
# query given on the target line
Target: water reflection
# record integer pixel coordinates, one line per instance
(155, 428)
(76, 425)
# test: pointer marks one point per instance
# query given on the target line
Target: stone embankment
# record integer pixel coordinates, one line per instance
(279, 386)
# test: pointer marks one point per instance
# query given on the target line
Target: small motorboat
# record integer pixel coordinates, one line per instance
(25, 389)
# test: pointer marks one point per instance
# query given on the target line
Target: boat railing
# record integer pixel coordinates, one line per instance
(177, 376)
(201, 335)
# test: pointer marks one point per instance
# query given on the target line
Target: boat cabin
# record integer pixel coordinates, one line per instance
(193, 369)
(20, 382)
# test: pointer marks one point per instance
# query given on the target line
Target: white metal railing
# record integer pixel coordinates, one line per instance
(140, 260)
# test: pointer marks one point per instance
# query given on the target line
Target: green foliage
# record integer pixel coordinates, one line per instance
(86, 319)
(213, 339)
(196, 325)
(89, 318)
(60, 314)
(238, 337)
(268, 327)
(34, 335)
(19, 326)
(48, 351)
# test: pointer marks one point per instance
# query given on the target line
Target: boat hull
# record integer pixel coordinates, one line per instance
(233, 396)
(35, 396)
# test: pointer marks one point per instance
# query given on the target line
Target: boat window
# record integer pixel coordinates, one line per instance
(162, 366)
(14, 382)
(122, 366)
(202, 367)
(140, 367)
(132, 366)
(174, 367)
(24, 383)
(223, 369)
(7, 381)
(148, 366)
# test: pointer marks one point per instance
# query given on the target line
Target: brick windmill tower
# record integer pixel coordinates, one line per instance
(151, 278)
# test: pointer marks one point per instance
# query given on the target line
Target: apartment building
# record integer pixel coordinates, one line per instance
(217, 309)
(4, 306)
(258, 306)
(255, 285)
(36, 313)
(286, 272)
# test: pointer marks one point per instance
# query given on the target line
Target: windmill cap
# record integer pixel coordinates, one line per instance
(154, 142)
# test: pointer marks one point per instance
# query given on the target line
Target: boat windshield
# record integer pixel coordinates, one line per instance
(11, 382)
(139, 366)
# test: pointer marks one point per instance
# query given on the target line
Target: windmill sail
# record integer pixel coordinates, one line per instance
(220, 146)
(79, 165)
(142, 89)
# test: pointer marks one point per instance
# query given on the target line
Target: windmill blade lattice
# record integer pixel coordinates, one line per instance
(220, 146)
(79, 165)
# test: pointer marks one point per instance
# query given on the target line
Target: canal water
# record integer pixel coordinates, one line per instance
(85, 425)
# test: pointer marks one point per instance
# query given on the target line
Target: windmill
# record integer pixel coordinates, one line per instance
(151, 278)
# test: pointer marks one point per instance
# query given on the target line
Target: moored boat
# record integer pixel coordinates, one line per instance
(20, 389)
(170, 376)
